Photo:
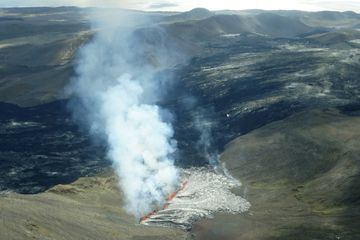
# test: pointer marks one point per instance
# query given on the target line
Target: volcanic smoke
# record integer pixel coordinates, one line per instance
(118, 85)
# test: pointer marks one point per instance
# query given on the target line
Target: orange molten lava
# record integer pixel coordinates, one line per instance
(167, 204)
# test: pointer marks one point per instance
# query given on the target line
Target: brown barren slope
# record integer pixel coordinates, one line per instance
(90, 208)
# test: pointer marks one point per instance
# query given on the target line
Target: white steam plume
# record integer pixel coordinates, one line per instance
(118, 86)
(200, 118)
(205, 144)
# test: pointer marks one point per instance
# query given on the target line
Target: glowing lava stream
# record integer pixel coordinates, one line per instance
(203, 193)
(167, 204)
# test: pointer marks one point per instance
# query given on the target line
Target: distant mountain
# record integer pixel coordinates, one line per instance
(195, 14)
(264, 24)
(332, 15)
(328, 19)
(280, 26)
(55, 37)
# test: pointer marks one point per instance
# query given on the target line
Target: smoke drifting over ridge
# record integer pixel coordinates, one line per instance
(205, 144)
(118, 85)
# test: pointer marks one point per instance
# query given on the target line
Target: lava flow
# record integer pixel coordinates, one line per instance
(205, 192)
(167, 204)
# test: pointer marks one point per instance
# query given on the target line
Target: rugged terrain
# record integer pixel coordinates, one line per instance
(278, 91)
